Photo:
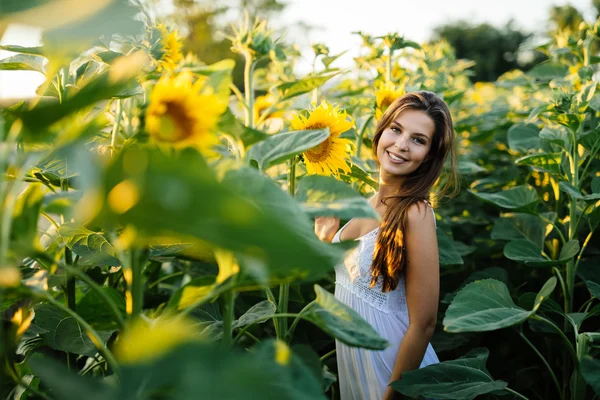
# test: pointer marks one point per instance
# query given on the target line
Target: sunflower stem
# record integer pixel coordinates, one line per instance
(248, 89)
(388, 66)
(115, 131)
(361, 133)
(284, 289)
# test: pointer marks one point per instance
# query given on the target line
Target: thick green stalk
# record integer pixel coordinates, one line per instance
(579, 383)
(388, 66)
(115, 131)
(361, 133)
(284, 289)
(248, 89)
(137, 284)
(228, 317)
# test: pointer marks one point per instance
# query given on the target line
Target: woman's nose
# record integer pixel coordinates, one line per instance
(401, 142)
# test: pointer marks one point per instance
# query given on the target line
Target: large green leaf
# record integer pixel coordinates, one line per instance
(546, 162)
(558, 135)
(219, 76)
(94, 309)
(178, 195)
(496, 273)
(514, 198)
(115, 17)
(515, 226)
(463, 378)
(256, 313)
(23, 62)
(547, 71)
(575, 194)
(327, 196)
(591, 140)
(289, 90)
(26, 213)
(39, 50)
(65, 384)
(283, 146)
(486, 305)
(526, 252)
(91, 247)
(342, 322)
(590, 369)
(64, 332)
(523, 137)
(447, 248)
(590, 273)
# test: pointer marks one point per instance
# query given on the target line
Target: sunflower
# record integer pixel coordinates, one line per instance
(334, 153)
(183, 112)
(384, 96)
(261, 103)
(171, 49)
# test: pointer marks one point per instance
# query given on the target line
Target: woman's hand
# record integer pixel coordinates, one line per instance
(326, 227)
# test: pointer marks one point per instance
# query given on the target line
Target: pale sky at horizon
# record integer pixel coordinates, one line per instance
(334, 20)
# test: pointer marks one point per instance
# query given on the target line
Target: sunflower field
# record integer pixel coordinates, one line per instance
(157, 222)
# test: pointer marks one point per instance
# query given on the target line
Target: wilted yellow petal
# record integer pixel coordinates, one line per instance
(143, 341)
(123, 196)
(9, 277)
(282, 353)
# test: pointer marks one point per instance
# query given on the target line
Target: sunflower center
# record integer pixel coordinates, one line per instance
(319, 153)
(175, 124)
(386, 101)
(316, 126)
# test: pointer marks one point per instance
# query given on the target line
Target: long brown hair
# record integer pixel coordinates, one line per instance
(389, 255)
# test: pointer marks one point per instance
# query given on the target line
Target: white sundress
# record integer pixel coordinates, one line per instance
(365, 374)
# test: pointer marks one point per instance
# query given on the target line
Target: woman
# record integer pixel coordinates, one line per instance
(392, 278)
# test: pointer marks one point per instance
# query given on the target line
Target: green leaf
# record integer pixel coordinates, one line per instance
(486, 305)
(95, 311)
(546, 162)
(529, 254)
(569, 250)
(64, 332)
(590, 273)
(23, 62)
(66, 384)
(289, 90)
(327, 196)
(515, 226)
(342, 322)
(90, 246)
(466, 167)
(590, 140)
(283, 146)
(514, 198)
(256, 313)
(547, 71)
(590, 369)
(496, 273)
(39, 50)
(447, 249)
(247, 213)
(523, 137)
(116, 17)
(575, 194)
(558, 135)
(26, 213)
(463, 378)
(229, 124)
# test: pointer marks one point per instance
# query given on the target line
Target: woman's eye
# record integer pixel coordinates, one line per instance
(419, 140)
(395, 129)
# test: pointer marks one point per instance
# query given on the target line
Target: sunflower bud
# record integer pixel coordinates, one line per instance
(256, 40)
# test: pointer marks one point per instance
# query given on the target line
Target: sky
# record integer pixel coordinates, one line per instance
(333, 22)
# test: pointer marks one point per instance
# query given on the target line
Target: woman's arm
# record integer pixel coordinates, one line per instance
(422, 278)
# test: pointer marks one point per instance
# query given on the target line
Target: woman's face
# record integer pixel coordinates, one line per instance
(405, 143)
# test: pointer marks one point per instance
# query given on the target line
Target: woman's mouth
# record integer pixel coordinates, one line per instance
(396, 158)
